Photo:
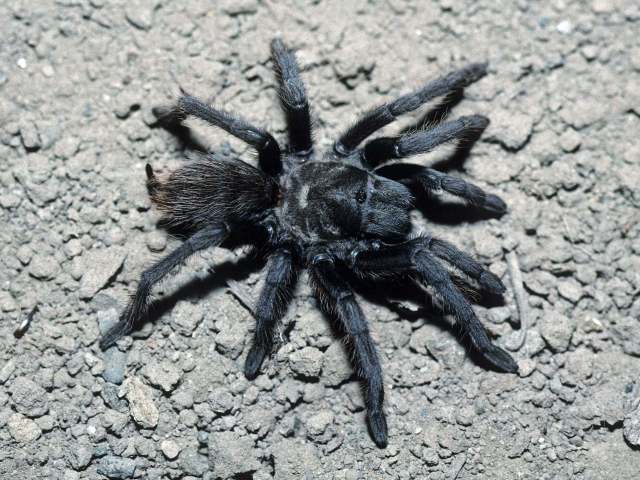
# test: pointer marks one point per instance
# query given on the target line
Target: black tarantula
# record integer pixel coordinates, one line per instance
(328, 213)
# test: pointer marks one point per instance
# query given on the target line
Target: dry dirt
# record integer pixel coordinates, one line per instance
(78, 79)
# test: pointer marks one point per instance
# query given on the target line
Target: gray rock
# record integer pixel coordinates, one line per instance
(115, 421)
(185, 317)
(582, 114)
(510, 129)
(139, 14)
(44, 267)
(230, 340)
(294, 460)
(66, 147)
(336, 367)
(115, 362)
(170, 449)
(107, 319)
(440, 344)
(23, 429)
(30, 135)
(7, 369)
(570, 290)
(557, 330)
(540, 282)
(306, 362)
(221, 400)
(5, 414)
(7, 303)
(79, 456)
(430, 456)
(209, 372)
(163, 375)
(603, 6)
(117, 467)
(318, 423)
(99, 266)
(156, 241)
(192, 463)
(28, 397)
(141, 404)
(631, 426)
(465, 416)
(570, 140)
(232, 455)
(46, 422)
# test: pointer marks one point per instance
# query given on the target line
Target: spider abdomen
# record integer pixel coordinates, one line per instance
(211, 190)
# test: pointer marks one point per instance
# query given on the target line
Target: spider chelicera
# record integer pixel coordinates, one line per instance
(328, 213)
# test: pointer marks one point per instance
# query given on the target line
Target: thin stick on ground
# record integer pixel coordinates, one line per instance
(520, 296)
(459, 468)
(242, 294)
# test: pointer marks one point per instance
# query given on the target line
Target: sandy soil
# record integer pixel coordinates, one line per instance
(78, 79)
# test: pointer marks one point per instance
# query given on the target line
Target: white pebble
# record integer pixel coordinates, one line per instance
(564, 26)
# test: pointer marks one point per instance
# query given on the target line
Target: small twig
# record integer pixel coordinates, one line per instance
(459, 469)
(242, 294)
(24, 325)
(519, 295)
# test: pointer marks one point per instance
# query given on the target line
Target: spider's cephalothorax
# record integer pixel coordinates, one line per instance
(329, 201)
(328, 214)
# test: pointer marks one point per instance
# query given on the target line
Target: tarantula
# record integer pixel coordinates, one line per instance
(329, 213)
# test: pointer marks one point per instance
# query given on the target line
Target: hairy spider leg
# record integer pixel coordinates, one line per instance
(435, 182)
(137, 308)
(382, 149)
(272, 303)
(415, 255)
(334, 292)
(293, 99)
(266, 146)
(384, 114)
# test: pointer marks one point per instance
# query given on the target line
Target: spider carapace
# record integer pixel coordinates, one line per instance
(332, 213)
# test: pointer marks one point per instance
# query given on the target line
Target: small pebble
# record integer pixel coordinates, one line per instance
(570, 140)
(163, 375)
(141, 404)
(117, 467)
(170, 449)
(115, 362)
(306, 362)
(23, 429)
(564, 27)
(156, 241)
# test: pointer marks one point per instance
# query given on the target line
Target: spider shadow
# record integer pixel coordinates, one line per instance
(392, 294)
(217, 278)
(437, 114)
(168, 120)
(433, 207)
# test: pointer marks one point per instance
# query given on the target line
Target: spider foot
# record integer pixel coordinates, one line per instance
(114, 334)
(500, 359)
(495, 204)
(491, 283)
(378, 428)
(254, 360)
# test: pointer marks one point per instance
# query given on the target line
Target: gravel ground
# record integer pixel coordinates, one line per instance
(78, 79)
